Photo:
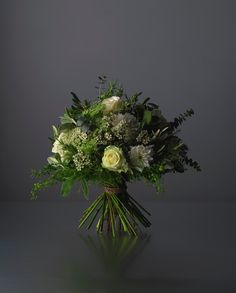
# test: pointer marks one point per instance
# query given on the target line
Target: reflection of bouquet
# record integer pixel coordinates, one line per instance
(111, 141)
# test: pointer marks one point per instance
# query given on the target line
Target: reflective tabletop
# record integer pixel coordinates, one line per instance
(191, 247)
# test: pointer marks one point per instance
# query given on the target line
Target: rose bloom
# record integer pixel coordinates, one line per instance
(112, 104)
(114, 160)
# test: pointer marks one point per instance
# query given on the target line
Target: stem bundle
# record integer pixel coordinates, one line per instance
(117, 212)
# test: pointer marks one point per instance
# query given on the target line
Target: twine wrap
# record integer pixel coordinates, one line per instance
(115, 190)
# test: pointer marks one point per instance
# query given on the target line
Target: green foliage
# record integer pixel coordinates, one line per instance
(55, 132)
(67, 186)
(42, 184)
(147, 117)
(66, 119)
(181, 118)
(194, 164)
(77, 105)
(109, 88)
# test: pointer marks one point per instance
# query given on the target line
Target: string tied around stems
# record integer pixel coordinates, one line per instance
(115, 190)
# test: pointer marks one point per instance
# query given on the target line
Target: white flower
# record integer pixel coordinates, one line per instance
(114, 160)
(112, 104)
(140, 157)
(73, 137)
(125, 126)
(81, 160)
(58, 147)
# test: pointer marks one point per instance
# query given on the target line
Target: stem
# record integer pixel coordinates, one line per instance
(119, 210)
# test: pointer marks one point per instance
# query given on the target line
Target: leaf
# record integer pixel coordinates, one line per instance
(66, 119)
(145, 101)
(55, 131)
(84, 186)
(147, 117)
(52, 161)
(181, 118)
(156, 134)
(178, 146)
(154, 106)
(80, 121)
(164, 129)
(102, 78)
(67, 186)
(161, 149)
(75, 97)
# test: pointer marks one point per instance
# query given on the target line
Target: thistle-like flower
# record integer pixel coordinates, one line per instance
(125, 126)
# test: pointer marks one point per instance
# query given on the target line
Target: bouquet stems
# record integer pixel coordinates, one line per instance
(116, 212)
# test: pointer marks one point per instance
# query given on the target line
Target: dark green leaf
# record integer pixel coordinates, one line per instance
(67, 185)
(145, 101)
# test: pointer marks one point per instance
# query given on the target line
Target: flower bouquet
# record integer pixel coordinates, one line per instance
(111, 141)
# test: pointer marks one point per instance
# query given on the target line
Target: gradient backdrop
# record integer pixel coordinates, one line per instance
(181, 53)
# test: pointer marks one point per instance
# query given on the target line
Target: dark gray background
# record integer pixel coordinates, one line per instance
(181, 53)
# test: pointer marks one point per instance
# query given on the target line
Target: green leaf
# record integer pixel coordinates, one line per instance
(55, 131)
(52, 161)
(66, 119)
(147, 117)
(67, 186)
(84, 186)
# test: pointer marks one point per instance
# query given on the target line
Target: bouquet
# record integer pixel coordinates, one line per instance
(111, 141)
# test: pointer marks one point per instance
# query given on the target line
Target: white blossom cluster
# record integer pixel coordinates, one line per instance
(81, 160)
(74, 137)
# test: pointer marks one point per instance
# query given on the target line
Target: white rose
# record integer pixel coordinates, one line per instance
(112, 104)
(114, 160)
